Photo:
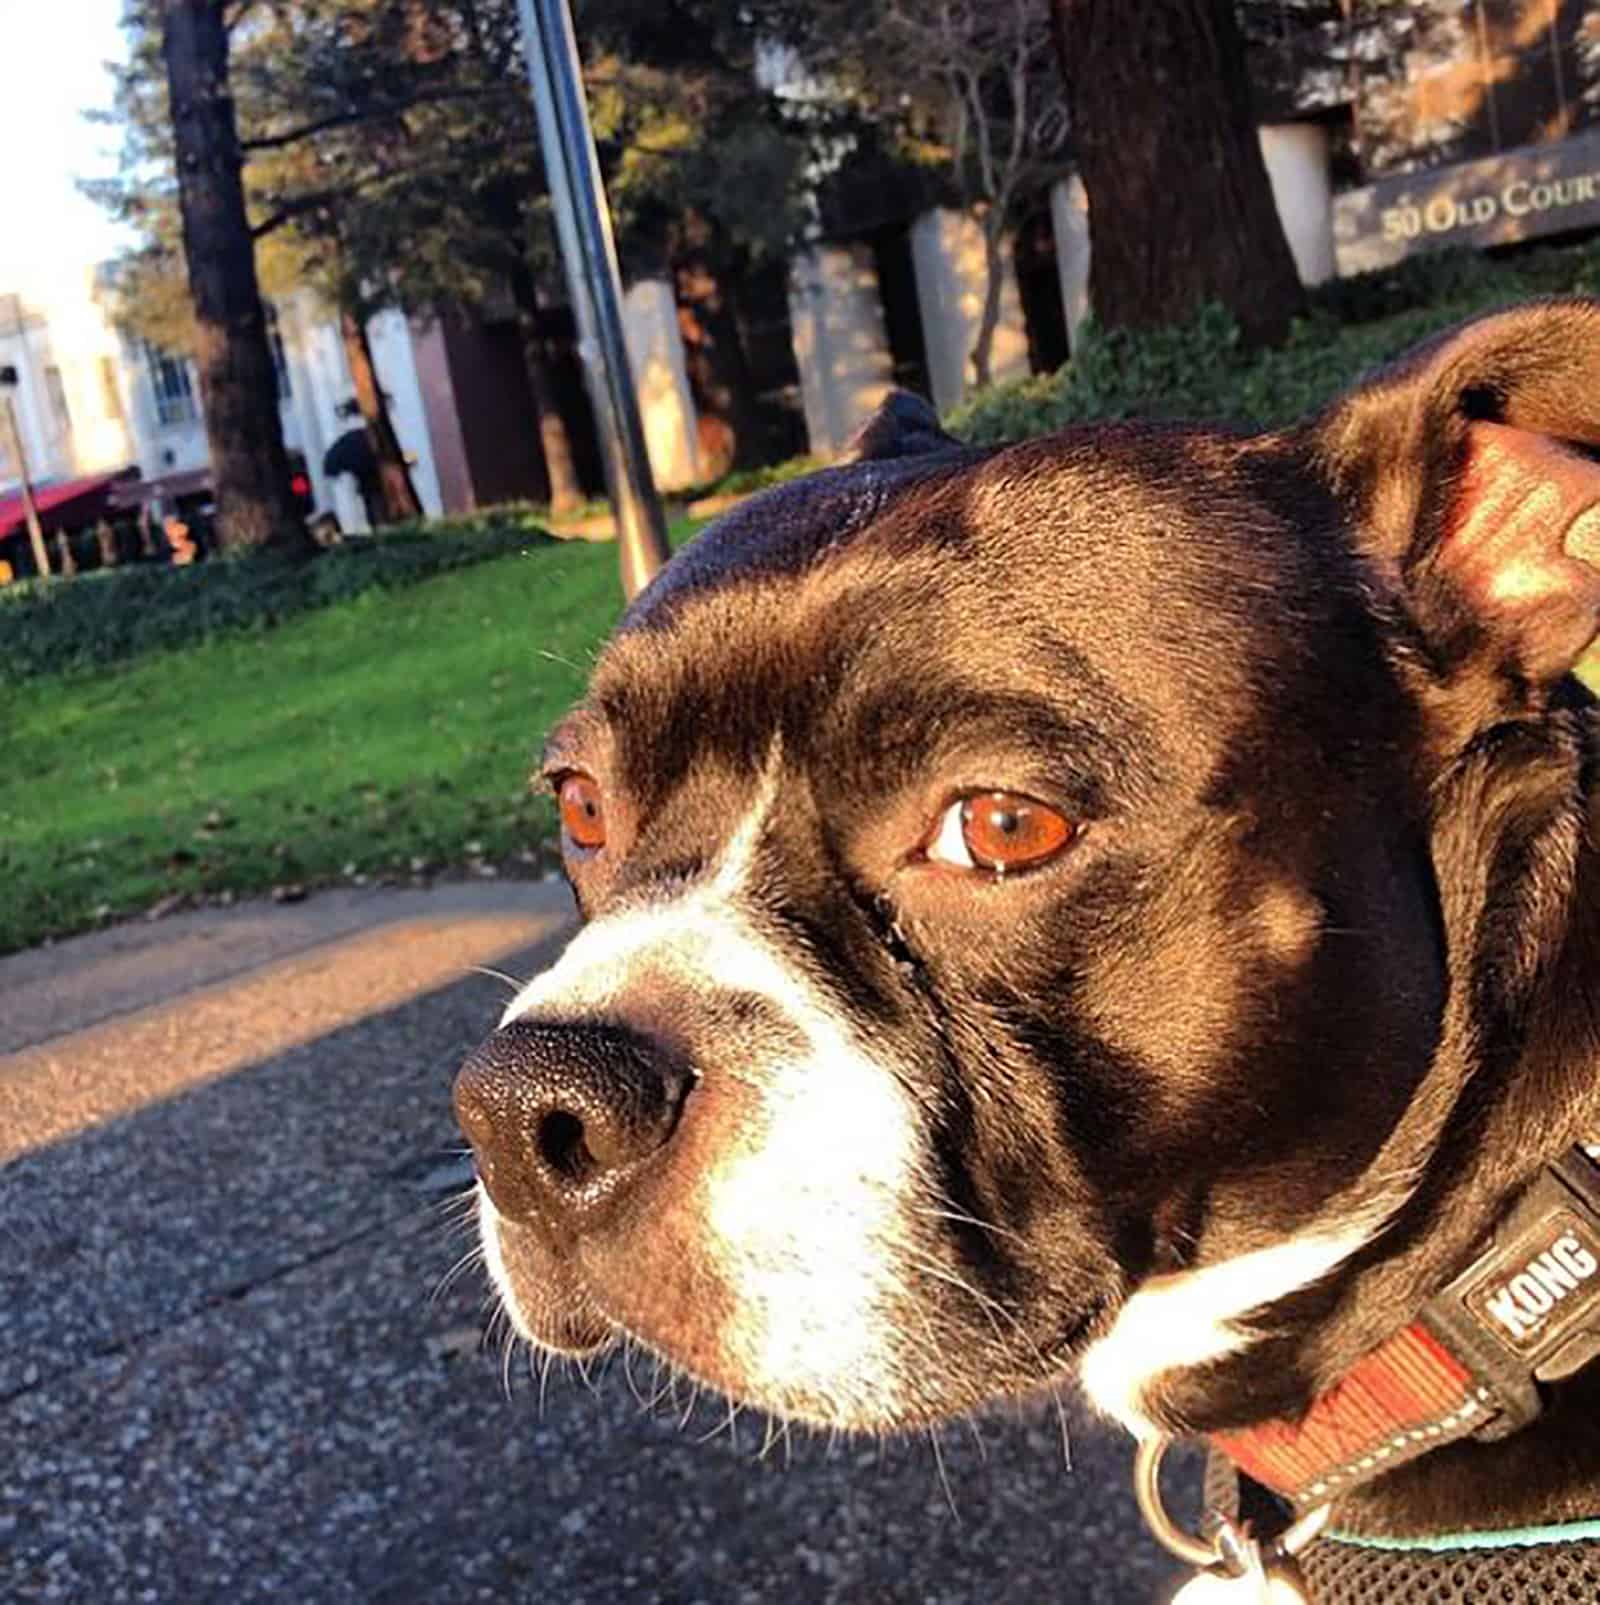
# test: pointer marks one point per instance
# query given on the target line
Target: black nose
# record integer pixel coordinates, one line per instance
(562, 1117)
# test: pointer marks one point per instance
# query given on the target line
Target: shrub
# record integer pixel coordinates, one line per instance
(83, 623)
(746, 481)
(1199, 370)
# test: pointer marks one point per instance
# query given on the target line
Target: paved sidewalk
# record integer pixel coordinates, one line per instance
(227, 1369)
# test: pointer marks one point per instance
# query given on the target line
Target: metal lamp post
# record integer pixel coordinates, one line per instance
(30, 508)
(590, 257)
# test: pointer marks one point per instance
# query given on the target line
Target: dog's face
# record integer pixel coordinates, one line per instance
(1015, 939)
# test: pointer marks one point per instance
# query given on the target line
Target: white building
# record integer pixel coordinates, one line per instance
(90, 399)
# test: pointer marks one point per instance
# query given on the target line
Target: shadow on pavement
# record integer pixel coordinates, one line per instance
(224, 1374)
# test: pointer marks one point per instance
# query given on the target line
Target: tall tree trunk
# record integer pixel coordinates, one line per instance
(560, 467)
(714, 357)
(397, 495)
(238, 385)
(994, 267)
(1180, 208)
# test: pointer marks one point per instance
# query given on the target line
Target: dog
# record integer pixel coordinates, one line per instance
(1124, 905)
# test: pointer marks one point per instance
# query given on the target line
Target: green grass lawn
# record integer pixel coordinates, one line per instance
(388, 735)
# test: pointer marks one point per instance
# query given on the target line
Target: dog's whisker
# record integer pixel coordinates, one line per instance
(565, 663)
(627, 1374)
(944, 1475)
(694, 1399)
(472, 1257)
(1066, 1431)
(661, 1391)
(459, 1209)
(976, 1433)
(769, 1437)
(963, 1219)
(586, 1375)
(497, 975)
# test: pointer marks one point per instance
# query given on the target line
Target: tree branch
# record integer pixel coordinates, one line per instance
(364, 114)
(317, 200)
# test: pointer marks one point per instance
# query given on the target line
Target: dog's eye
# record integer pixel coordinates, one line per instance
(583, 815)
(998, 831)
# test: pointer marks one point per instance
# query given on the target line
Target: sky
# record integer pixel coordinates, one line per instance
(54, 53)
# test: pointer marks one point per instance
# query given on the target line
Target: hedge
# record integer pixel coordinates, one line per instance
(1201, 371)
(99, 618)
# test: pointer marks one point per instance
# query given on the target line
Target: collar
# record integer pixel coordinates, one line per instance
(1523, 1314)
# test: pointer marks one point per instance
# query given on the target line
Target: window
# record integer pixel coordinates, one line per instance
(57, 392)
(280, 361)
(110, 395)
(174, 393)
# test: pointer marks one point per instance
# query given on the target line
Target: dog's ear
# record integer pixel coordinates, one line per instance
(903, 426)
(1465, 469)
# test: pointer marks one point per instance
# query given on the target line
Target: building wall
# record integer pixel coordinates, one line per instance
(1296, 158)
(841, 346)
(661, 381)
(107, 383)
(24, 346)
(947, 248)
(80, 349)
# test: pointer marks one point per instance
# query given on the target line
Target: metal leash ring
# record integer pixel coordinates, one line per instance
(1229, 1547)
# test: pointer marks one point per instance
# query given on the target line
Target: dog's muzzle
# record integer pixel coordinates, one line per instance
(564, 1118)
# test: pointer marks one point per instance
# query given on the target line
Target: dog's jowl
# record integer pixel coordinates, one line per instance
(1120, 906)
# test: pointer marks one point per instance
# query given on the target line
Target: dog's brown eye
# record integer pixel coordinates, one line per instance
(583, 816)
(999, 831)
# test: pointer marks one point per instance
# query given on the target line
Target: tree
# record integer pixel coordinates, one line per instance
(381, 139)
(973, 82)
(1180, 208)
(395, 145)
(238, 384)
(706, 173)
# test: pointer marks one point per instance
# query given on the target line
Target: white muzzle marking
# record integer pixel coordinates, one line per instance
(802, 1212)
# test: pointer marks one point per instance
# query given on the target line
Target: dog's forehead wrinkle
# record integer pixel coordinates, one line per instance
(783, 532)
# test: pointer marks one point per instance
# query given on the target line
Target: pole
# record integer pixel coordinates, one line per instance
(590, 257)
(30, 508)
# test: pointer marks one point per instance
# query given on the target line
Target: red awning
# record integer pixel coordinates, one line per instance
(68, 505)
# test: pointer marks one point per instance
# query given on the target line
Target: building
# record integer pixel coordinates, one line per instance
(1451, 122)
(93, 402)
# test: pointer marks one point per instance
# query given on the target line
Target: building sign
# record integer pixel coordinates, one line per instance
(1539, 189)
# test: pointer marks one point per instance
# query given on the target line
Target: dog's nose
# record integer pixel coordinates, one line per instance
(562, 1117)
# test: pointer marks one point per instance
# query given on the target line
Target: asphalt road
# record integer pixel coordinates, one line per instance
(228, 1370)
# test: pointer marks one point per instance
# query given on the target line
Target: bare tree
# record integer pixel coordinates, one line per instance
(977, 78)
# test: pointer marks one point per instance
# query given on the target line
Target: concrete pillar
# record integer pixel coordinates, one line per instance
(447, 445)
(947, 255)
(840, 346)
(1069, 222)
(394, 357)
(661, 380)
(1296, 155)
